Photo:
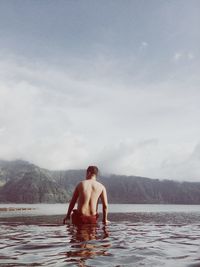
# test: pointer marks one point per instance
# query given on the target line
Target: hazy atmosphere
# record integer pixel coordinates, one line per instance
(112, 83)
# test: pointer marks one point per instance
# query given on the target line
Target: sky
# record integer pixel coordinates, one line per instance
(110, 83)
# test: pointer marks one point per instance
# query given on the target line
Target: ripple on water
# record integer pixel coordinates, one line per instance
(122, 243)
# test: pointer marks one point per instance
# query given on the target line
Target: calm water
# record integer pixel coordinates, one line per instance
(138, 235)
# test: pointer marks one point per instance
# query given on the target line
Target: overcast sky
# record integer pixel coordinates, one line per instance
(111, 83)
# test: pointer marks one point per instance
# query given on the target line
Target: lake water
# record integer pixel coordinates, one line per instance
(138, 235)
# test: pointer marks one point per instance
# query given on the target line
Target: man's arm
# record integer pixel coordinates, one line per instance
(71, 204)
(104, 201)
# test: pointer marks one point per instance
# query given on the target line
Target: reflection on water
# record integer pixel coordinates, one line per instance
(131, 239)
(87, 241)
(41, 244)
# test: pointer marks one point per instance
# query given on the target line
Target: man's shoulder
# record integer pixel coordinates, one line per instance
(100, 184)
(97, 183)
(80, 186)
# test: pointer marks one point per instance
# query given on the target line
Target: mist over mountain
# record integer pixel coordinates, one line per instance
(23, 182)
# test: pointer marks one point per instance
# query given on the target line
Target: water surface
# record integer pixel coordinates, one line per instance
(138, 235)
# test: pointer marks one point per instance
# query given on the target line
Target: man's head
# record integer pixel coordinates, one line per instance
(91, 171)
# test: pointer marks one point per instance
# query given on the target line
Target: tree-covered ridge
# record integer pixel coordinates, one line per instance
(23, 182)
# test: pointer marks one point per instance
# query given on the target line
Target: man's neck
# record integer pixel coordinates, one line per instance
(92, 177)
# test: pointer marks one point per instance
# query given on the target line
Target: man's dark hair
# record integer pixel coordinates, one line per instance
(92, 170)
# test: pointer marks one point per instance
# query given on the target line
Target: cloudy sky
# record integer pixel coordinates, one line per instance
(112, 83)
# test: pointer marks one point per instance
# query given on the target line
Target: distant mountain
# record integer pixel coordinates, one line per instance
(132, 189)
(23, 182)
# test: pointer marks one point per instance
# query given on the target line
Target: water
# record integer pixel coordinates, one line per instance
(138, 235)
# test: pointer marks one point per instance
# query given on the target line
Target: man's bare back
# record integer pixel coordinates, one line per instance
(87, 193)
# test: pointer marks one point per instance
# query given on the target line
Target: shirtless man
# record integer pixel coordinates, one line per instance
(87, 193)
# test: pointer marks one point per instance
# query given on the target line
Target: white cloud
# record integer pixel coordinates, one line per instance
(183, 163)
(2, 130)
(183, 56)
(127, 156)
(143, 47)
(153, 159)
(190, 56)
(86, 91)
(59, 119)
(144, 44)
(178, 56)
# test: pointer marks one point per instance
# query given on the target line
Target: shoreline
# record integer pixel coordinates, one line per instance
(15, 209)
